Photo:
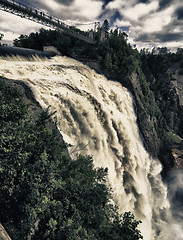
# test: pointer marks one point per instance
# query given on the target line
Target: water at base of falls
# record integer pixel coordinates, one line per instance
(97, 118)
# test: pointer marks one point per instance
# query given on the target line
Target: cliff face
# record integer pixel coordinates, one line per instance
(145, 122)
(177, 149)
(148, 124)
(178, 81)
(177, 154)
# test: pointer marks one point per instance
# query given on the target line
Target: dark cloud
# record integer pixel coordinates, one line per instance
(165, 3)
(159, 37)
(143, 1)
(179, 13)
(106, 2)
(105, 13)
(115, 16)
(30, 3)
(124, 29)
(65, 2)
(169, 37)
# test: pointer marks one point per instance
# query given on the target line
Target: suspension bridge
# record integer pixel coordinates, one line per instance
(41, 17)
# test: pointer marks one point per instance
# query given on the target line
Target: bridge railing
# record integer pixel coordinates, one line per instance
(37, 15)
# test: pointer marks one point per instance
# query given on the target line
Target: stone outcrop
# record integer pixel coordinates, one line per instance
(51, 50)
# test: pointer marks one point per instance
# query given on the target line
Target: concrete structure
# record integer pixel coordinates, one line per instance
(51, 49)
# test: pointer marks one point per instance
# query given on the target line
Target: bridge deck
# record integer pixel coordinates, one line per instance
(41, 17)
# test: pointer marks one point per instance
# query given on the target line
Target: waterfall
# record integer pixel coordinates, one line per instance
(96, 117)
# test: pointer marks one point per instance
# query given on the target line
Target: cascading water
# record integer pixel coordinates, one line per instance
(97, 118)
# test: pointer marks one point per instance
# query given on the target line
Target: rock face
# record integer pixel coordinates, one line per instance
(177, 154)
(3, 233)
(177, 150)
(145, 123)
(178, 83)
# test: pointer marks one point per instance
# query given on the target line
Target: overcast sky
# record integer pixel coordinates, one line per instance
(148, 23)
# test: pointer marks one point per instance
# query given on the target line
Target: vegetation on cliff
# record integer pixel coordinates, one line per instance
(43, 193)
(156, 66)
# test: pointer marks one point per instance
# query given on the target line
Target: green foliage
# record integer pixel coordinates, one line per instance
(160, 97)
(66, 44)
(106, 26)
(156, 69)
(43, 193)
(114, 54)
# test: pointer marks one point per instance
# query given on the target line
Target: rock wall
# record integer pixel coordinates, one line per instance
(178, 80)
(177, 153)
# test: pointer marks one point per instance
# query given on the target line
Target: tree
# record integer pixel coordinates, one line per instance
(106, 26)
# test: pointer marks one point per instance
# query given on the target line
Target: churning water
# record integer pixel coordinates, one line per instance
(96, 116)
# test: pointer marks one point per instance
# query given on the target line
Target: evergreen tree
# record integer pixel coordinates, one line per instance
(106, 26)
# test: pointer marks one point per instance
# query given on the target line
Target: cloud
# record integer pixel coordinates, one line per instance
(179, 13)
(65, 2)
(118, 4)
(76, 10)
(159, 37)
(140, 10)
(115, 16)
(20, 25)
(157, 21)
(143, 1)
(106, 2)
(151, 21)
(165, 3)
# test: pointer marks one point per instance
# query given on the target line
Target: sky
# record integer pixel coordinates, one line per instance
(148, 23)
